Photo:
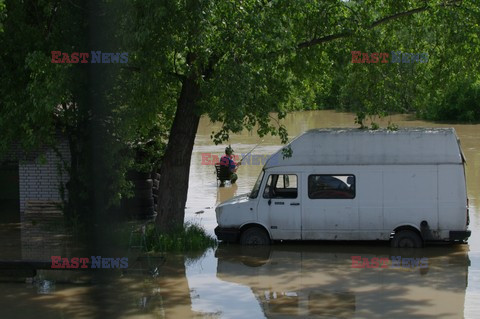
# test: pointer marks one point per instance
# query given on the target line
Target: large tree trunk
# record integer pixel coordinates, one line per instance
(175, 168)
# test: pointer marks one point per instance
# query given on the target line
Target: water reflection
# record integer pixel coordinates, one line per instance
(280, 281)
(314, 280)
(204, 194)
(227, 192)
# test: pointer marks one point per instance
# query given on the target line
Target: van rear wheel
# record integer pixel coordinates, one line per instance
(406, 239)
(254, 236)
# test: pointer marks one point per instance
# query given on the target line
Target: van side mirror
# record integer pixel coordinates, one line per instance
(286, 181)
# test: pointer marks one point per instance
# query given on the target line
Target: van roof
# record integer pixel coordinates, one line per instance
(372, 147)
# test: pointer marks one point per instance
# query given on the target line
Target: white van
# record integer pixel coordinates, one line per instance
(407, 186)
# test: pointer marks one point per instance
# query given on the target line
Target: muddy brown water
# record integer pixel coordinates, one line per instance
(313, 280)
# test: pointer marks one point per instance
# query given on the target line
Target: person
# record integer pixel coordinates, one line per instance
(227, 160)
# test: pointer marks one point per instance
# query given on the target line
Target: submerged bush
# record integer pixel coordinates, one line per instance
(190, 237)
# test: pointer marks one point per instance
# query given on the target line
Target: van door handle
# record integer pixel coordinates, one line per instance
(269, 202)
(295, 204)
(279, 203)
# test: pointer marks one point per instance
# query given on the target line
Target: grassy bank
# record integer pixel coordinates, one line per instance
(189, 238)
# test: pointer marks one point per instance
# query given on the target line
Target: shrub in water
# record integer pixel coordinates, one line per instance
(190, 237)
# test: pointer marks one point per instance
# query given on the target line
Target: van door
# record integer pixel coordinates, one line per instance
(280, 206)
(331, 210)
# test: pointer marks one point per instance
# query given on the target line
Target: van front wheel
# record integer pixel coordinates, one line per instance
(254, 236)
(406, 239)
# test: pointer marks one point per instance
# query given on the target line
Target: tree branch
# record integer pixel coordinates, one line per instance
(324, 39)
(345, 34)
(396, 16)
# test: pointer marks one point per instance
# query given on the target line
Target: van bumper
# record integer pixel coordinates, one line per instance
(461, 235)
(227, 234)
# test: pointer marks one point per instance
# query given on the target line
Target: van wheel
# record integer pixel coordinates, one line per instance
(254, 236)
(406, 239)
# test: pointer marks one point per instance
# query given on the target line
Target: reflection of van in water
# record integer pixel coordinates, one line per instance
(318, 281)
(349, 184)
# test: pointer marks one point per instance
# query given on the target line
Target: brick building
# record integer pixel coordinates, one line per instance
(36, 176)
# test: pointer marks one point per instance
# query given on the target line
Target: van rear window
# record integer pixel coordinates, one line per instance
(331, 186)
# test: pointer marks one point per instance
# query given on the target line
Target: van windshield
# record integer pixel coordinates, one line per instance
(256, 187)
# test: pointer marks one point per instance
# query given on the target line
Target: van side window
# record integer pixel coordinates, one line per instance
(331, 186)
(281, 186)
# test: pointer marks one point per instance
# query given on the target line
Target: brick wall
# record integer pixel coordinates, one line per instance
(41, 173)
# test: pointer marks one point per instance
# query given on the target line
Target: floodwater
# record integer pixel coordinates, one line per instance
(314, 280)
(317, 280)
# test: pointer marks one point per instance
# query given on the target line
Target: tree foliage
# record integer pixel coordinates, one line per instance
(445, 30)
